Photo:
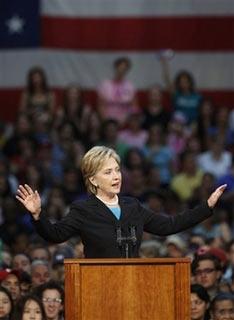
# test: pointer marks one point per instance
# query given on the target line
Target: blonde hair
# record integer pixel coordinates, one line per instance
(93, 161)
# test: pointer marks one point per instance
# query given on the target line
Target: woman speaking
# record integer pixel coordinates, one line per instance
(110, 225)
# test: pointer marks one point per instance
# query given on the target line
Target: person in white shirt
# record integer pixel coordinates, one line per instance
(216, 160)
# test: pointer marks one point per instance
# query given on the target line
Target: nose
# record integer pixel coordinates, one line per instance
(193, 306)
(203, 276)
(118, 173)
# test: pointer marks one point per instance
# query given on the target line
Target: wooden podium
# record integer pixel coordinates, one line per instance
(127, 289)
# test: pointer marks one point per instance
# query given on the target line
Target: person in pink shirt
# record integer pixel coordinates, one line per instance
(116, 96)
(133, 135)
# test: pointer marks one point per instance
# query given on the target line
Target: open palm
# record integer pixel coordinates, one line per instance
(30, 199)
(214, 197)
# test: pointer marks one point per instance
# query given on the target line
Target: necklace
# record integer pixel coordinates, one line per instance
(109, 203)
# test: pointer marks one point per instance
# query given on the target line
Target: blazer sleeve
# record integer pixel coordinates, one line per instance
(62, 230)
(163, 225)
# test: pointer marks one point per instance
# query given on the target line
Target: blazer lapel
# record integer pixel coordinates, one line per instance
(126, 208)
(101, 208)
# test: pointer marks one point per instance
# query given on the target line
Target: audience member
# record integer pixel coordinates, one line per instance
(159, 153)
(176, 246)
(133, 135)
(188, 179)
(222, 307)
(52, 296)
(116, 96)
(154, 112)
(39, 252)
(37, 98)
(73, 110)
(111, 139)
(10, 279)
(207, 272)
(30, 307)
(185, 98)
(199, 303)
(6, 304)
(216, 160)
(40, 272)
(21, 262)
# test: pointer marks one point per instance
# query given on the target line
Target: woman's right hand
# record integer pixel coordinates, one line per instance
(30, 199)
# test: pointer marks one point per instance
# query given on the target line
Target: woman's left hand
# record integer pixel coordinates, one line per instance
(214, 197)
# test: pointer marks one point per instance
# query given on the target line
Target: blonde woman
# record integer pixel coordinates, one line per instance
(110, 225)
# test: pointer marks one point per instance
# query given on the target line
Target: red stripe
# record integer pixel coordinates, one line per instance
(10, 100)
(178, 33)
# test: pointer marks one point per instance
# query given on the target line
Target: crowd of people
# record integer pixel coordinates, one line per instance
(172, 159)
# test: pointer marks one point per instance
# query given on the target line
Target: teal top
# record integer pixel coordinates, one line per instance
(116, 211)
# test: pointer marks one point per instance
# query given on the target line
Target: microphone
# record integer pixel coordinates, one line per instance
(133, 235)
(119, 236)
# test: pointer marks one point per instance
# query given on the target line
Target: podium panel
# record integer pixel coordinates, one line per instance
(119, 289)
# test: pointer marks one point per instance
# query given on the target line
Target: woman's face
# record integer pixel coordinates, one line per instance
(108, 179)
(198, 307)
(21, 262)
(155, 135)
(184, 83)
(206, 108)
(37, 79)
(121, 70)
(5, 305)
(73, 95)
(135, 158)
(32, 311)
(155, 95)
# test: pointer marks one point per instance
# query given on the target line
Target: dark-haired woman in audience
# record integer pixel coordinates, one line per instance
(184, 96)
(154, 112)
(74, 110)
(199, 303)
(205, 121)
(6, 304)
(30, 307)
(37, 99)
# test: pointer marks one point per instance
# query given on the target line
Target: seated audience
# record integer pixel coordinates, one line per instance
(207, 272)
(222, 307)
(40, 272)
(6, 304)
(29, 307)
(21, 261)
(52, 296)
(199, 303)
(10, 279)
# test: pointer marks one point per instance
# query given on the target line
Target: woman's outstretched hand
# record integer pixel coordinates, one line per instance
(214, 197)
(30, 199)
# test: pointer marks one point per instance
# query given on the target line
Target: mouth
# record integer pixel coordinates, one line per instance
(116, 185)
(50, 311)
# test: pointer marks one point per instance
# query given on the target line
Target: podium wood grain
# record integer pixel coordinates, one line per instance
(127, 289)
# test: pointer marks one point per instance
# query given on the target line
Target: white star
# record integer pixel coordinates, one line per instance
(15, 24)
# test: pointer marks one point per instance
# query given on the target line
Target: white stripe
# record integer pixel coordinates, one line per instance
(115, 8)
(211, 70)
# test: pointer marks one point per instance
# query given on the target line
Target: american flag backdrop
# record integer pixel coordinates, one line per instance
(77, 41)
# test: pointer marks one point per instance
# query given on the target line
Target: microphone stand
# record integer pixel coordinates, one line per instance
(124, 242)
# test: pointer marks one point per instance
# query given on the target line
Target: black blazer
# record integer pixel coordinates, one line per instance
(92, 220)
